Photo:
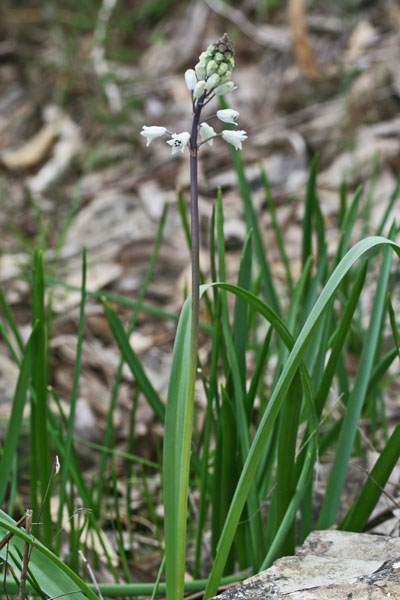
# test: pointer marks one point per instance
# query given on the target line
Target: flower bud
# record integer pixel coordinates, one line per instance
(222, 69)
(224, 88)
(199, 89)
(212, 82)
(228, 115)
(191, 79)
(200, 69)
(211, 67)
(207, 133)
(218, 57)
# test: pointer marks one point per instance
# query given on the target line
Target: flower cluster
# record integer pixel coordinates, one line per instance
(211, 77)
(213, 71)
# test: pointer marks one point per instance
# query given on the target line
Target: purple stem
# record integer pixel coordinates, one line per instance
(194, 211)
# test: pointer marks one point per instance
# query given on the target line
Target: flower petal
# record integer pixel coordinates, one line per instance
(228, 115)
(190, 79)
(234, 137)
(179, 141)
(152, 132)
(207, 132)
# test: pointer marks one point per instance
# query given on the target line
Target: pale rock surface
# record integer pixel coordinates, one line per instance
(331, 565)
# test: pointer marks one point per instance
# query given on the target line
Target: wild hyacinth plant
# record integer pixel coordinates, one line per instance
(252, 467)
(211, 77)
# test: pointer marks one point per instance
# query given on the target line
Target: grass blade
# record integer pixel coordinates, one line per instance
(74, 397)
(357, 396)
(15, 422)
(52, 575)
(133, 362)
(252, 222)
(267, 422)
(40, 456)
(358, 515)
(306, 249)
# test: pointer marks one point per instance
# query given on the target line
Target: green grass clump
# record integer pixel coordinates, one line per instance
(279, 397)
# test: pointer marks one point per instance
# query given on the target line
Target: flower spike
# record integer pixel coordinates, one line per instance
(210, 77)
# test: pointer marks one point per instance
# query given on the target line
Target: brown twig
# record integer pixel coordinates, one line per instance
(9, 535)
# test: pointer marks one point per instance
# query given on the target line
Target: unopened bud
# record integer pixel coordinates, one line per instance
(191, 79)
(211, 67)
(224, 88)
(199, 89)
(212, 82)
(200, 69)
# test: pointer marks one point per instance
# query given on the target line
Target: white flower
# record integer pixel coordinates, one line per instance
(153, 132)
(224, 88)
(199, 89)
(212, 82)
(179, 141)
(206, 132)
(234, 137)
(191, 79)
(228, 115)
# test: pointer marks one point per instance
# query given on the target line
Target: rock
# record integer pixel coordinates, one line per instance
(332, 565)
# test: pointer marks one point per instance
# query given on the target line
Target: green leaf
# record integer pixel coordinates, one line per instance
(52, 575)
(358, 515)
(15, 422)
(133, 362)
(355, 403)
(267, 422)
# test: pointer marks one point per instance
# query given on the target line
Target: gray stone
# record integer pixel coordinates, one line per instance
(332, 565)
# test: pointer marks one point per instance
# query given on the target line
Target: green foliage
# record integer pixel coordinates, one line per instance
(275, 371)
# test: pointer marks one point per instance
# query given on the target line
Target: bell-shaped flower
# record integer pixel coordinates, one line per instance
(212, 82)
(179, 141)
(224, 88)
(228, 115)
(199, 89)
(190, 79)
(152, 132)
(234, 137)
(207, 132)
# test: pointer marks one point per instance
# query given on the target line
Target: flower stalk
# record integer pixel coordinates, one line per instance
(209, 78)
(195, 251)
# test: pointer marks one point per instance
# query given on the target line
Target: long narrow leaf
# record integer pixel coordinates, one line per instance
(349, 428)
(133, 362)
(268, 419)
(74, 397)
(15, 422)
(358, 515)
(52, 575)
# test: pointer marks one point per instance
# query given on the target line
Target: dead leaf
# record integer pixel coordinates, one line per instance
(301, 44)
(33, 151)
(362, 36)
